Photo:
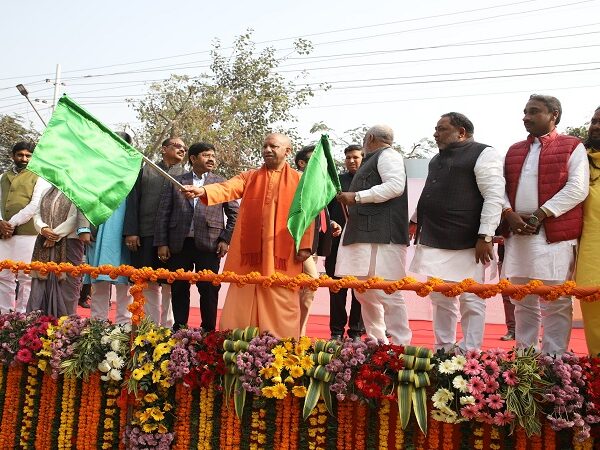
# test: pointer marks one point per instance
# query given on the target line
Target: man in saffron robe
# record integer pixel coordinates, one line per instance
(261, 241)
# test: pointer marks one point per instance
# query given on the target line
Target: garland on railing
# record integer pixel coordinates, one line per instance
(141, 276)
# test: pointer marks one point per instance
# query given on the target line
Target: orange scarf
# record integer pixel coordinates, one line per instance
(251, 217)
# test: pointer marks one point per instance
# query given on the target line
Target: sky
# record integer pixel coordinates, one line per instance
(392, 62)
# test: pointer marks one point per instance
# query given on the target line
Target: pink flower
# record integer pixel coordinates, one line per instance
(469, 411)
(472, 354)
(501, 419)
(498, 353)
(494, 401)
(491, 386)
(490, 370)
(24, 355)
(476, 385)
(510, 377)
(472, 367)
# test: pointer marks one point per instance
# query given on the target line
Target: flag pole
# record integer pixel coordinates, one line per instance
(162, 172)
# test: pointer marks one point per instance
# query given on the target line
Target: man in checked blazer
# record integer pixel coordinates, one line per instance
(190, 235)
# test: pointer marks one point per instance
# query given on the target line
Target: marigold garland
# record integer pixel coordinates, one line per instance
(12, 407)
(360, 415)
(47, 412)
(30, 407)
(67, 415)
(384, 423)
(183, 402)
(477, 434)
(447, 435)
(111, 414)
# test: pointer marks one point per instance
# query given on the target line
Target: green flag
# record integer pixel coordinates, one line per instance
(89, 163)
(317, 187)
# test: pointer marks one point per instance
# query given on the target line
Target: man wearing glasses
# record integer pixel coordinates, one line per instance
(140, 218)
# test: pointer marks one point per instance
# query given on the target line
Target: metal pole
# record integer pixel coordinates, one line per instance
(36, 111)
(56, 87)
(162, 172)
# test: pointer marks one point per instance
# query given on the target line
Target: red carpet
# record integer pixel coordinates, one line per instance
(318, 326)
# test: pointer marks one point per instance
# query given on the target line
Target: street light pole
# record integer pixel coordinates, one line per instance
(25, 94)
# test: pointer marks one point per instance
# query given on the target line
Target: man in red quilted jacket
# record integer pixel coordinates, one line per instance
(547, 178)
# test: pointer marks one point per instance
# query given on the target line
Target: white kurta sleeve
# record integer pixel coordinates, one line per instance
(393, 178)
(489, 174)
(23, 216)
(576, 188)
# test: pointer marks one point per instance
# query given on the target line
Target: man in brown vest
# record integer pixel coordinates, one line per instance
(20, 194)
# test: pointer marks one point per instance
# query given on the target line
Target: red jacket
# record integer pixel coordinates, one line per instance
(552, 177)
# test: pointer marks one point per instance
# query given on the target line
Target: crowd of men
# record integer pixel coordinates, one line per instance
(532, 198)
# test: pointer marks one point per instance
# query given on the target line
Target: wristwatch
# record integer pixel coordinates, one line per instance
(485, 238)
(357, 197)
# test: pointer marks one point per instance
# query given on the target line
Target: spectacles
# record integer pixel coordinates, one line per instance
(179, 146)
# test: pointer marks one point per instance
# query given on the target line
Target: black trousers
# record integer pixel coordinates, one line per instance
(190, 258)
(338, 317)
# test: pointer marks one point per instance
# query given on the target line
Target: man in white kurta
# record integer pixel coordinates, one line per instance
(531, 252)
(459, 236)
(385, 255)
(17, 234)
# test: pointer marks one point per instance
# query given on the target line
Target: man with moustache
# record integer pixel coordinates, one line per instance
(20, 195)
(261, 241)
(547, 179)
(192, 236)
(457, 215)
(140, 219)
(589, 245)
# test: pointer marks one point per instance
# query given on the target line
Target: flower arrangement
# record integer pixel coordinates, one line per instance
(566, 405)
(20, 336)
(376, 377)
(344, 367)
(254, 360)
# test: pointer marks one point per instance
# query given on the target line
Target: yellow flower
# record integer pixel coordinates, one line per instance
(304, 343)
(165, 383)
(296, 371)
(160, 350)
(299, 391)
(151, 336)
(62, 320)
(270, 372)
(276, 379)
(42, 364)
(157, 414)
(289, 380)
(149, 427)
(279, 391)
(167, 406)
(149, 398)
(156, 376)
(137, 374)
(162, 429)
(164, 366)
(306, 362)
(267, 391)
(145, 416)
(148, 367)
(288, 346)
(290, 361)
(278, 362)
(279, 350)
(139, 340)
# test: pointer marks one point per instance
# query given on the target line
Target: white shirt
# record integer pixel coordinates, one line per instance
(25, 214)
(532, 256)
(456, 265)
(196, 181)
(382, 260)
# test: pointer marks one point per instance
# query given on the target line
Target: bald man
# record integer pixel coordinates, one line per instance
(261, 241)
(376, 234)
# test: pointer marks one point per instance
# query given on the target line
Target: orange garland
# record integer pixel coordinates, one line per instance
(549, 435)
(433, 433)
(47, 412)
(141, 276)
(361, 423)
(89, 410)
(183, 400)
(12, 406)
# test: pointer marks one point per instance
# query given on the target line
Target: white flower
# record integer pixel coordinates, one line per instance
(105, 340)
(110, 356)
(117, 363)
(104, 377)
(127, 328)
(447, 367)
(115, 345)
(436, 414)
(459, 361)
(460, 383)
(467, 400)
(115, 374)
(441, 397)
(104, 366)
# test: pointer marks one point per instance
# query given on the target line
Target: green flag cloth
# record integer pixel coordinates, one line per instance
(89, 163)
(317, 187)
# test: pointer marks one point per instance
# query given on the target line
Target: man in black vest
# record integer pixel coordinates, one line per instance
(376, 234)
(457, 214)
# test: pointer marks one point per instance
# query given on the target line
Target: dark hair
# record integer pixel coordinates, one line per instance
(167, 141)
(23, 145)
(459, 120)
(352, 148)
(302, 154)
(125, 136)
(552, 103)
(199, 147)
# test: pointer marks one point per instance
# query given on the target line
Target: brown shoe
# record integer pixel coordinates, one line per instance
(508, 337)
